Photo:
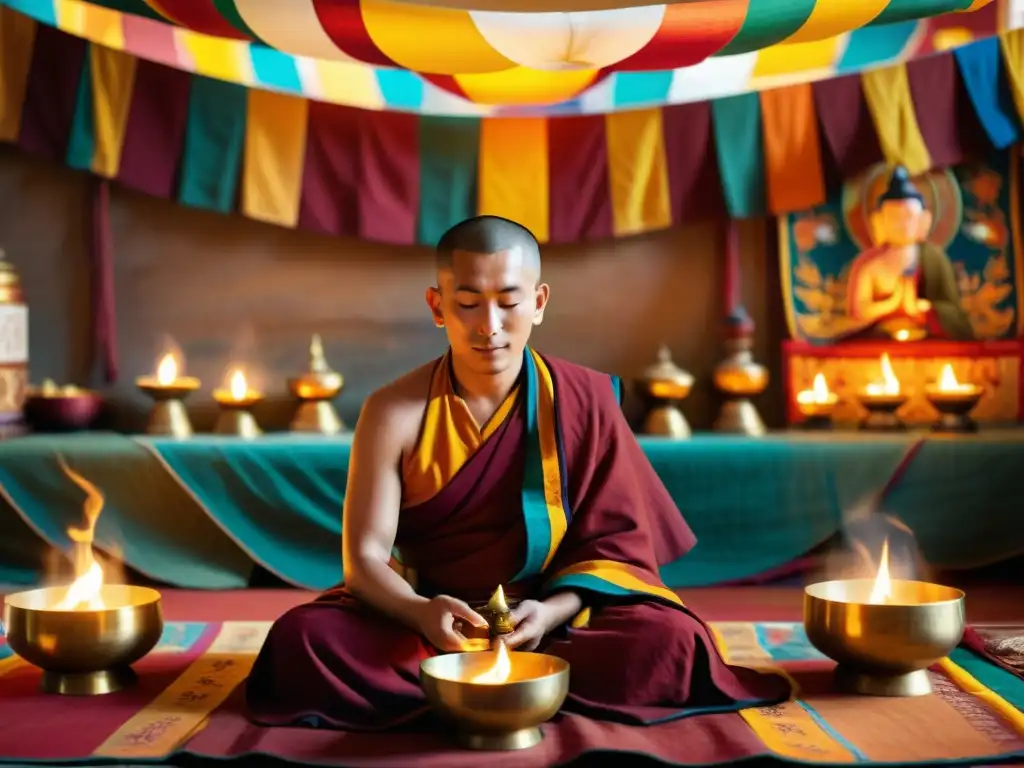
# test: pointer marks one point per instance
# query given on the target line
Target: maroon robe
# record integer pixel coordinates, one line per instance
(338, 663)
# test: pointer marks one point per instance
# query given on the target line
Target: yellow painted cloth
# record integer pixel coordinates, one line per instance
(410, 34)
(786, 59)
(216, 57)
(521, 85)
(887, 92)
(792, 149)
(834, 17)
(17, 39)
(513, 171)
(275, 151)
(1012, 44)
(449, 436)
(637, 171)
(113, 82)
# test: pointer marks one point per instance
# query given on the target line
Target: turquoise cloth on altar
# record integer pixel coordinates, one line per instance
(199, 513)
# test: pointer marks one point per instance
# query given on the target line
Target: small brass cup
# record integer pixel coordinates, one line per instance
(498, 717)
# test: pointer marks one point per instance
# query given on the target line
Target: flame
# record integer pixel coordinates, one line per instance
(239, 387)
(881, 592)
(499, 672)
(818, 393)
(902, 334)
(83, 594)
(889, 385)
(948, 382)
(167, 370)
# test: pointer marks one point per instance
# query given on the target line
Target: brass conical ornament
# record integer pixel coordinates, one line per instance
(665, 385)
(315, 389)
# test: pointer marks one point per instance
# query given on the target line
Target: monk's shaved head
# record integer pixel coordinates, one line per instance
(486, 235)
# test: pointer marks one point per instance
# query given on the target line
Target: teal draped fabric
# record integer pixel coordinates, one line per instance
(982, 71)
(276, 69)
(279, 498)
(147, 518)
(214, 143)
(448, 163)
(198, 513)
(736, 122)
(82, 139)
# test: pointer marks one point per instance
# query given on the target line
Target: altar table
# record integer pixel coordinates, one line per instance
(200, 513)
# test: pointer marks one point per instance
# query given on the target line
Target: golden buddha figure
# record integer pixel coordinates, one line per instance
(904, 286)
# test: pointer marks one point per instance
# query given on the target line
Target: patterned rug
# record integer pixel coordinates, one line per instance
(188, 700)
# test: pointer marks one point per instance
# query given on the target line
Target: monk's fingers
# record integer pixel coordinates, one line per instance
(462, 611)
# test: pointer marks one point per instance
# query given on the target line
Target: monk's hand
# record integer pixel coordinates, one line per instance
(532, 620)
(440, 619)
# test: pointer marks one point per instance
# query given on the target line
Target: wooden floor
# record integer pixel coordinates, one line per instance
(986, 604)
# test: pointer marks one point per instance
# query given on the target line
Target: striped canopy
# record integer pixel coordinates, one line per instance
(448, 41)
(517, 91)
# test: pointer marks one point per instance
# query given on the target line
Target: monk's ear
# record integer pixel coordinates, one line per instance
(433, 297)
(925, 225)
(542, 295)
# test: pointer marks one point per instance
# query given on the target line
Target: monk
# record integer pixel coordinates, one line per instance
(904, 287)
(495, 465)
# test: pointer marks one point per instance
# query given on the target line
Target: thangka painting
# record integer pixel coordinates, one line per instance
(971, 230)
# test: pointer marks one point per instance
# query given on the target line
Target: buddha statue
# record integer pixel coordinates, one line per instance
(904, 287)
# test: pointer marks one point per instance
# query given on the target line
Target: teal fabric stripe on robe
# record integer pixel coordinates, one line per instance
(214, 143)
(147, 518)
(982, 70)
(279, 499)
(736, 122)
(448, 184)
(82, 140)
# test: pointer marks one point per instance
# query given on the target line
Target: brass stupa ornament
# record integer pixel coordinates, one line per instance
(665, 385)
(498, 614)
(315, 390)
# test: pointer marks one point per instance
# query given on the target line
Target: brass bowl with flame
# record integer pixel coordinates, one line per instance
(883, 648)
(496, 716)
(84, 652)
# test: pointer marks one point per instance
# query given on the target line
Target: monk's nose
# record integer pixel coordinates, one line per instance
(492, 322)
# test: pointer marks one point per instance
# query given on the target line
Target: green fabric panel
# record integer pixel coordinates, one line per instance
(753, 504)
(913, 10)
(448, 163)
(992, 676)
(736, 122)
(953, 481)
(147, 516)
(214, 143)
(281, 498)
(227, 9)
(769, 22)
(82, 141)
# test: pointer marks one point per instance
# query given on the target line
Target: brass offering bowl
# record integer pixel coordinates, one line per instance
(883, 649)
(84, 652)
(63, 412)
(502, 716)
(665, 386)
(168, 416)
(954, 407)
(882, 409)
